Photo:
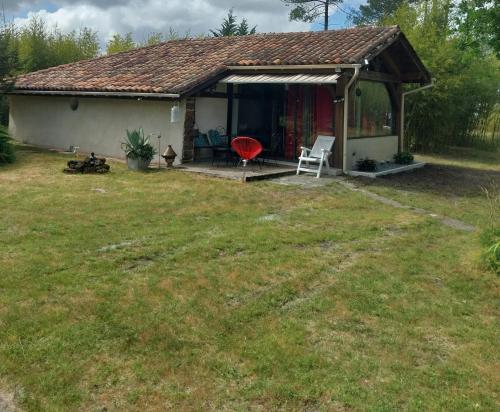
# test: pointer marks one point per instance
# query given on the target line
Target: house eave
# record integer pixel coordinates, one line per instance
(73, 93)
(294, 67)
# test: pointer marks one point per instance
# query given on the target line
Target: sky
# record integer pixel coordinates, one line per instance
(143, 17)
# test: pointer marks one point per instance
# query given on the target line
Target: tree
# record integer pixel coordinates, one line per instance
(73, 46)
(8, 67)
(157, 37)
(7, 154)
(34, 49)
(119, 43)
(457, 110)
(375, 11)
(88, 43)
(478, 23)
(153, 38)
(309, 10)
(244, 29)
(457, 41)
(41, 47)
(8, 55)
(230, 27)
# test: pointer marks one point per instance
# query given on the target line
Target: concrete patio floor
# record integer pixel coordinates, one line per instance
(253, 171)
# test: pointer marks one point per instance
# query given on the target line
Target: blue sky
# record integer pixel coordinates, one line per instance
(142, 17)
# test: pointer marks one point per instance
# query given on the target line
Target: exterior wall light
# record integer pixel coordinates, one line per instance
(175, 113)
(74, 103)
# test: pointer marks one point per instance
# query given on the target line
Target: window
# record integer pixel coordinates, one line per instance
(370, 110)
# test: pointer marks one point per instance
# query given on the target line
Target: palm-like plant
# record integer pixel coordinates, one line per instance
(137, 146)
(7, 154)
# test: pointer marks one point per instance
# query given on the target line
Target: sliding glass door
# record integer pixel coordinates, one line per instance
(285, 117)
(309, 113)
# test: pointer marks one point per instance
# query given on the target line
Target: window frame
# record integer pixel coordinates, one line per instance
(393, 111)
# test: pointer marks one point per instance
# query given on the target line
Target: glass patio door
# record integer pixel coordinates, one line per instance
(309, 112)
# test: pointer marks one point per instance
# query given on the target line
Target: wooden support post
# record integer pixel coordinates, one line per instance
(338, 148)
(189, 122)
(398, 108)
(229, 124)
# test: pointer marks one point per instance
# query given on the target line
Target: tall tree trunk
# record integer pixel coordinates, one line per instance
(326, 14)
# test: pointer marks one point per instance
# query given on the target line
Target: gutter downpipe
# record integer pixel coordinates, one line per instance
(346, 118)
(402, 122)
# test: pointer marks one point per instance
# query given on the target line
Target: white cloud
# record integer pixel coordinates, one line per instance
(144, 17)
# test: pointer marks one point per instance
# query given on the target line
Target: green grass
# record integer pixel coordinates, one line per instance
(452, 184)
(465, 157)
(230, 296)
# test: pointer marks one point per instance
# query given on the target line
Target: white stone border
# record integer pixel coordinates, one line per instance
(399, 169)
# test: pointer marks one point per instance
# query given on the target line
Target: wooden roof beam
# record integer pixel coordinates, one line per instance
(386, 57)
(379, 77)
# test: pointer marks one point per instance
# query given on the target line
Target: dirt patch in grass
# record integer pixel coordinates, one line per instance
(451, 181)
(453, 223)
(7, 402)
(446, 190)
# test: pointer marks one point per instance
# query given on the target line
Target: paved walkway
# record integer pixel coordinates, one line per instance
(309, 181)
(306, 180)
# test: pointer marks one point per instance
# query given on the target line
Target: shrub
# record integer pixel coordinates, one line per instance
(137, 146)
(403, 158)
(490, 238)
(7, 154)
(491, 241)
(493, 257)
(366, 165)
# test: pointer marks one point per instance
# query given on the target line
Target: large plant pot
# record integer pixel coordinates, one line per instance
(138, 164)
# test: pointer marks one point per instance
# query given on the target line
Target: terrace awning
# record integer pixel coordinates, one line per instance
(281, 79)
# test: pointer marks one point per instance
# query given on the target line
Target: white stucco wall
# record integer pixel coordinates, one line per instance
(378, 148)
(211, 113)
(98, 125)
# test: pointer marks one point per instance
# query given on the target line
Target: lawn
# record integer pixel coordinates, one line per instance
(168, 290)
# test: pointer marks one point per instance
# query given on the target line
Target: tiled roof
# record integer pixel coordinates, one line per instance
(179, 66)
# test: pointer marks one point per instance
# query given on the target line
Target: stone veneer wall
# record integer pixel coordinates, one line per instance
(189, 123)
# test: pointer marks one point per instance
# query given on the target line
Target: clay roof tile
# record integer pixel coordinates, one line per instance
(180, 65)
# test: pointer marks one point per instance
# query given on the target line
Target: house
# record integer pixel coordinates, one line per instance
(283, 89)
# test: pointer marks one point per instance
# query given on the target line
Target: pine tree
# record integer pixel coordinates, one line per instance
(309, 10)
(374, 11)
(230, 27)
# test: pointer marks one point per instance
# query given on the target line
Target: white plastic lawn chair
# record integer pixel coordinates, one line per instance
(319, 154)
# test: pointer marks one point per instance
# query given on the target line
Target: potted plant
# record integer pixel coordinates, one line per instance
(138, 149)
(366, 165)
(403, 158)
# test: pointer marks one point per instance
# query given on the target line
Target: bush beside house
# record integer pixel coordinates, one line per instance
(7, 154)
